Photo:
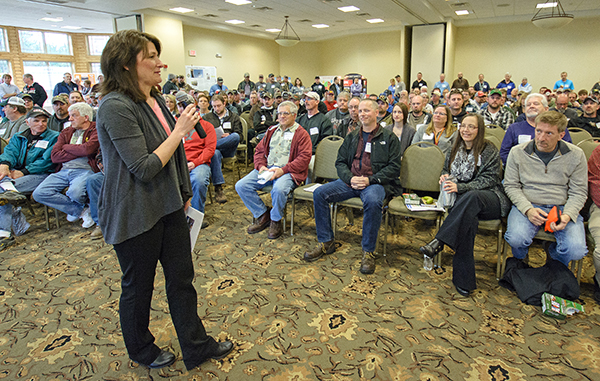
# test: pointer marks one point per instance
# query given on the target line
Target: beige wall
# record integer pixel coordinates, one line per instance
(240, 54)
(525, 50)
(302, 61)
(450, 51)
(170, 33)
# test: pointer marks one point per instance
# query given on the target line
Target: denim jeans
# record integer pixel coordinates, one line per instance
(93, 185)
(49, 192)
(594, 227)
(200, 178)
(282, 187)
(336, 191)
(570, 242)
(23, 184)
(226, 147)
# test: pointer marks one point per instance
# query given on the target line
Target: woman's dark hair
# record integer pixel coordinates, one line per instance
(404, 109)
(120, 53)
(478, 144)
(296, 82)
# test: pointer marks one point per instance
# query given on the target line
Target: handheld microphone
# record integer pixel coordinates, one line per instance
(184, 99)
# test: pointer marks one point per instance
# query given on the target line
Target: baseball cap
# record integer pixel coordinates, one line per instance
(590, 99)
(266, 94)
(38, 111)
(220, 79)
(313, 95)
(23, 95)
(317, 77)
(277, 94)
(286, 94)
(261, 76)
(480, 94)
(382, 98)
(246, 75)
(271, 75)
(63, 98)
(15, 101)
(495, 91)
(387, 92)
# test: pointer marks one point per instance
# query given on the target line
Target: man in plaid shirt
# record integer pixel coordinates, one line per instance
(494, 113)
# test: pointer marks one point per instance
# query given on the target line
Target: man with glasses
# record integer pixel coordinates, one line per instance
(280, 160)
(562, 105)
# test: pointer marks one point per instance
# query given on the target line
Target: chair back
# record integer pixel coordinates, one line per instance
(588, 146)
(578, 135)
(325, 157)
(421, 167)
(244, 129)
(494, 130)
(3, 144)
(246, 116)
(494, 140)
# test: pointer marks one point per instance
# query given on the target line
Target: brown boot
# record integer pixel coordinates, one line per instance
(321, 249)
(367, 265)
(260, 223)
(219, 195)
(276, 229)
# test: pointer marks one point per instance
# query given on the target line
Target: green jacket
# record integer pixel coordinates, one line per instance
(385, 160)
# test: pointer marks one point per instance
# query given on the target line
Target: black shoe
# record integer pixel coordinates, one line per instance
(223, 349)
(205, 224)
(432, 248)
(596, 290)
(462, 291)
(165, 358)
(6, 242)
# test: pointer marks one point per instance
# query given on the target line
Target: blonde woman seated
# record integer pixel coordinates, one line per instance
(439, 131)
(171, 103)
(475, 164)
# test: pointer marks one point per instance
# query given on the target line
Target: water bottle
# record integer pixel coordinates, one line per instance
(427, 262)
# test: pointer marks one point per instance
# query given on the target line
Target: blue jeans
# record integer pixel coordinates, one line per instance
(49, 192)
(215, 168)
(570, 242)
(226, 147)
(336, 191)
(200, 178)
(282, 187)
(93, 185)
(23, 184)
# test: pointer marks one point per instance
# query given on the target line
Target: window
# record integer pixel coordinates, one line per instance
(3, 41)
(45, 42)
(47, 74)
(96, 44)
(5, 67)
(95, 68)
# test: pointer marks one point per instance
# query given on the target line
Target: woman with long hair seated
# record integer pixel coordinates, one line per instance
(440, 131)
(143, 202)
(475, 164)
(171, 103)
(403, 131)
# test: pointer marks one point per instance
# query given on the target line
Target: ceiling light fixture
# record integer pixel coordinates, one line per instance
(546, 5)
(284, 38)
(238, 2)
(273, 30)
(349, 8)
(181, 10)
(71, 27)
(555, 19)
(52, 19)
(235, 22)
(320, 26)
(463, 12)
(375, 21)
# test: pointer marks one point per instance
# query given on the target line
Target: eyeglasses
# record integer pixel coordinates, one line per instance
(468, 126)
(439, 113)
(284, 113)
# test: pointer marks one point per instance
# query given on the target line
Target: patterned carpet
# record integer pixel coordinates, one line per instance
(288, 319)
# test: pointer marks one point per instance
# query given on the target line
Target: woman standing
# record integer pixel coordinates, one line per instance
(298, 87)
(475, 164)
(144, 197)
(439, 131)
(403, 131)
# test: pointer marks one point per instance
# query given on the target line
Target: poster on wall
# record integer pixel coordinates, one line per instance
(201, 77)
(83, 76)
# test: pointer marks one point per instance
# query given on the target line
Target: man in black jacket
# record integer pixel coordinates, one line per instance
(37, 92)
(368, 166)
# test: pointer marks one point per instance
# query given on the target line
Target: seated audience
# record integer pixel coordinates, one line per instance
(24, 164)
(455, 103)
(66, 86)
(506, 83)
(35, 90)
(60, 119)
(495, 113)
(28, 100)
(75, 97)
(562, 105)
(539, 175)
(15, 112)
(329, 101)
(440, 131)
(352, 123)
(594, 221)
(417, 116)
(475, 164)
(314, 122)
(403, 131)
(589, 120)
(75, 153)
(340, 114)
(285, 151)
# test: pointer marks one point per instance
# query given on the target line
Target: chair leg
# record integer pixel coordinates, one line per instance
(334, 220)
(438, 258)
(47, 217)
(385, 228)
(57, 219)
(293, 213)
(499, 250)
(30, 206)
(350, 216)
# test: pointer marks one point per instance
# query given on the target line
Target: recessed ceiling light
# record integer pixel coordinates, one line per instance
(71, 27)
(238, 2)
(374, 21)
(349, 8)
(320, 26)
(546, 5)
(235, 22)
(462, 13)
(181, 10)
(273, 30)
(52, 19)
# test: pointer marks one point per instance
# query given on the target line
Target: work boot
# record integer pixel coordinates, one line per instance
(323, 248)
(367, 265)
(219, 195)
(260, 223)
(276, 229)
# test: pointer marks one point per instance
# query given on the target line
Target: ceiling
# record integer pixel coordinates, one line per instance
(95, 16)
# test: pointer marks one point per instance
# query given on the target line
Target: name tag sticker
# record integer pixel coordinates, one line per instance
(288, 135)
(314, 131)
(67, 124)
(368, 147)
(524, 138)
(383, 142)
(427, 136)
(43, 144)
(227, 125)
(3, 131)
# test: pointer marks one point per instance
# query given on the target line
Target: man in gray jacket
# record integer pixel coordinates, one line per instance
(539, 175)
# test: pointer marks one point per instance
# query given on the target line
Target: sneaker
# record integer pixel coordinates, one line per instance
(72, 218)
(97, 233)
(86, 216)
(6, 242)
(11, 197)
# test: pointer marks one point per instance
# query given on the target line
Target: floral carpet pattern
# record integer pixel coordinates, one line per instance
(289, 320)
